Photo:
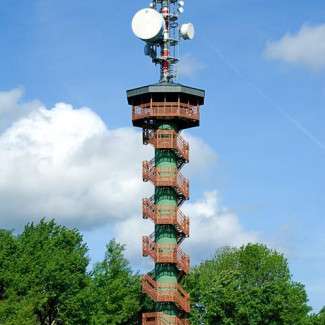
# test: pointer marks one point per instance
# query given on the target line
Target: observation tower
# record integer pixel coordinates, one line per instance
(163, 110)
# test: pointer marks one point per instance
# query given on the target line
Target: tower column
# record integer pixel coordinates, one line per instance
(165, 235)
(162, 111)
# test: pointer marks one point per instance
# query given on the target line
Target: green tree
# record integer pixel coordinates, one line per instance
(248, 286)
(116, 289)
(46, 277)
(321, 316)
(318, 319)
(7, 251)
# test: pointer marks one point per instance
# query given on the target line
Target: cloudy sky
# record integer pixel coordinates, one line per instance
(68, 151)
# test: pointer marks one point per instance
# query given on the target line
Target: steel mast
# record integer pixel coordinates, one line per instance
(163, 110)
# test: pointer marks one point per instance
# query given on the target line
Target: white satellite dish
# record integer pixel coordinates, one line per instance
(181, 10)
(148, 24)
(187, 31)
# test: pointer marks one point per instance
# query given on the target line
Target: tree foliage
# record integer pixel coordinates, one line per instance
(116, 289)
(251, 285)
(45, 275)
(318, 319)
(321, 316)
(45, 279)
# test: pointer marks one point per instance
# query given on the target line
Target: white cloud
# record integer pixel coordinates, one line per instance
(11, 109)
(212, 226)
(189, 66)
(307, 47)
(130, 232)
(66, 164)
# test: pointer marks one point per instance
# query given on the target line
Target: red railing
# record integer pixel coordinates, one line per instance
(166, 176)
(165, 109)
(166, 292)
(167, 139)
(166, 215)
(166, 253)
(162, 319)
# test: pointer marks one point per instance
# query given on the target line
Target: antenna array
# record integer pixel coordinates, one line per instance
(158, 26)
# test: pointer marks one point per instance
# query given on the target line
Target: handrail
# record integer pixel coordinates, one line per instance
(165, 110)
(167, 139)
(148, 209)
(165, 215)
(165, 176)
(163, 292)
(166, 253)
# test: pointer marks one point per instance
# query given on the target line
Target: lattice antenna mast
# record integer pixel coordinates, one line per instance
(158, 26)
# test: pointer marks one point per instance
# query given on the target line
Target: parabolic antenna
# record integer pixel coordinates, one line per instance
(147, 24)
(187, 31)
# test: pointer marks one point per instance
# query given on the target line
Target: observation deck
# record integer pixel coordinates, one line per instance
(166, 102)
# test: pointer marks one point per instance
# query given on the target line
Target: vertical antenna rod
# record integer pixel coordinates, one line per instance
(166, 74)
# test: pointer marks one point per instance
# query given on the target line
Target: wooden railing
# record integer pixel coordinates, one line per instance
(166, 253)
(167, 139)
(165, 109)
(183, 261)
(162, 319)
(166, 292)
(166, 176)
(166, 215)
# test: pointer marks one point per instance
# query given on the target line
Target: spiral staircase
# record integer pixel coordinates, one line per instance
(163, 111)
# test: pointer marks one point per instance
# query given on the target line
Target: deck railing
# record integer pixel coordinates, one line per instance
(165, 109)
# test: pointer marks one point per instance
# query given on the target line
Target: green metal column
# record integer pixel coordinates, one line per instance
(165, 234)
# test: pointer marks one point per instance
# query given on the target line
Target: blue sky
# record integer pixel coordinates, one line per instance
(263, 119)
